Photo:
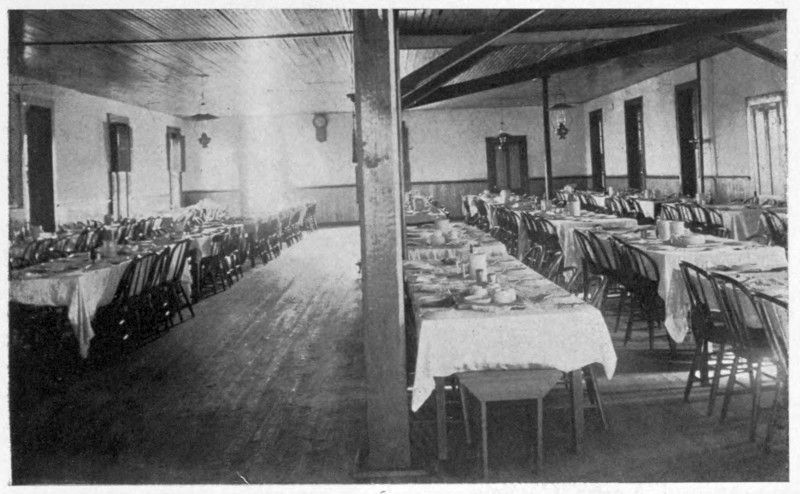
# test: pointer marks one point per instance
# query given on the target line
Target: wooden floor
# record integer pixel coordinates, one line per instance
(266, 386)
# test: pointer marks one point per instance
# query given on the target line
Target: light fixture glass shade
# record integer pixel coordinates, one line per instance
(560, 117)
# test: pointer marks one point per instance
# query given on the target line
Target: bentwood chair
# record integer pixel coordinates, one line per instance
(644, 290)
(750, 342)
(774, 316)
(776, 227)
(708, 329)
(173, 282)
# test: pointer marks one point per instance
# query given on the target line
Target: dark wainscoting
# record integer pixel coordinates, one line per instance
(231, 198)
(336, 204)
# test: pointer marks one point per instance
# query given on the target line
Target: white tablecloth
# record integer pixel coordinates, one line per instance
(82, 292)
(743, 221)
(556, 329)
(716, 251)
(418, 247)
(565, 225)
(771, 283)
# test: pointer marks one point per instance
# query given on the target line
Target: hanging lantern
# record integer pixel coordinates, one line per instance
(502, 137)
(202, 116)
(560, 117)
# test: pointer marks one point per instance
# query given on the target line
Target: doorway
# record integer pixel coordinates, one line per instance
(507, 165)
(39, 162)
(175, 165)
(686, 108)
(766, 122)
(596, 149)
(634, 143)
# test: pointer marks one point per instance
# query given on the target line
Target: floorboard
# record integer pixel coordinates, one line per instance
(266, 385)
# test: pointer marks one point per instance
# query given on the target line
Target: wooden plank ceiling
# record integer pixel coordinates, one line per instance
(245, 62)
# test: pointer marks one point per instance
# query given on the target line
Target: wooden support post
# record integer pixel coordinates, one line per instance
(380, 214)
(548, 159)
(700, 158)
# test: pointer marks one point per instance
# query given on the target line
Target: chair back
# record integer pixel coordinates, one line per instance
(776, 227)
(159, 269)
(714, 217)
(669, 212)
(700, 289)
(554, 266)
(741, 318)
(774, 314)
(596, 290)
(177, 261)
(141, 274)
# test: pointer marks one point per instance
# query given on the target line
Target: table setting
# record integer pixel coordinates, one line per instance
(445, 240)
(706, 252)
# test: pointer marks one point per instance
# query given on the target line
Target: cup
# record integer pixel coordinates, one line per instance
(492, 278)
(476, 262)
(480, 275)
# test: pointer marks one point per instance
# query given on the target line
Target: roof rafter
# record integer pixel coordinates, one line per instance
(440, 70)
(686, 32)
(761, 51)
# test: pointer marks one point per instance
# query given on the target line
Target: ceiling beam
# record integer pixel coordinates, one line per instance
(180, 40)
(446, 76)
(696, 31)
(431, 42)
(761, 51)
(508, 23)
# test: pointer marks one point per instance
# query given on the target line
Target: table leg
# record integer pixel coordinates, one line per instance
(576, 378)
(441, 419)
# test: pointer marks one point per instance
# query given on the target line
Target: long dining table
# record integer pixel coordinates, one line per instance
(713, 252)
(565, 225)
(745, 220)
(459, 240)
(75, 283)
(82, 286)
(545, 327)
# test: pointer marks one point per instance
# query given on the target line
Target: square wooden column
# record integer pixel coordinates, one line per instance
(381, 216)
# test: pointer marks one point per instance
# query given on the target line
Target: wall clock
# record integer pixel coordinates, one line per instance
(321, 123)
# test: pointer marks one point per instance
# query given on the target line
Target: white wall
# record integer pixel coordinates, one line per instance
(732, 77)
(451, 144)
(81, 151)
(728, 80)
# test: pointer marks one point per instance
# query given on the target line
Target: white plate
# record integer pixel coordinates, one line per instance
(432, 299)
(478, 299)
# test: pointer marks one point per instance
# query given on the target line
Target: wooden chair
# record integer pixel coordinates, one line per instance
(708, 328)
(644, 290)
(212, 272)
(507, 385)
(173, 282)
(749, 339)
(774, 316)
(776, 227)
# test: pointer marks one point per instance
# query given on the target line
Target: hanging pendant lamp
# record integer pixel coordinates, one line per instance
(202, 115)
(561, 118)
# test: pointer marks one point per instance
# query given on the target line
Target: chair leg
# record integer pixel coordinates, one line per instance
(539, 434)
(484, 440)
(698, 350)
(623, 295)
(756, 402)
(773, 414)
(712, 396)
(729, 389)
(594, 393)
(465, 413)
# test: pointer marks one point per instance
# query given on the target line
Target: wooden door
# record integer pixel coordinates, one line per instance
(507, 166)
(597, 150)
(766, 125)
(634, 142)
(39, 140)
(686, 107)
(175, 165)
